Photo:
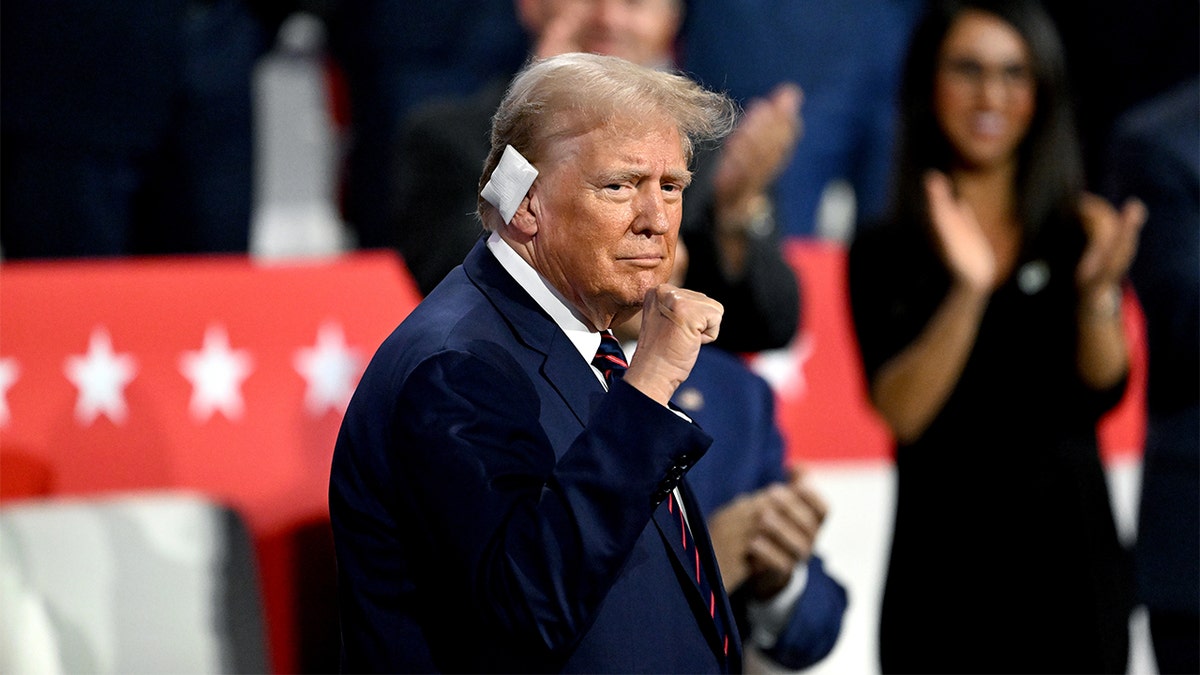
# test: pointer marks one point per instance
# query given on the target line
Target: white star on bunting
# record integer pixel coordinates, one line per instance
(216, 373)
(330, 368)
(9, 371)
(101, 377)
(783, 368)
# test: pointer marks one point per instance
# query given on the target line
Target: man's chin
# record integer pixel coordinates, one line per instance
(624, 315)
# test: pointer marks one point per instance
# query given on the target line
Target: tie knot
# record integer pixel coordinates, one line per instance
(609, 359)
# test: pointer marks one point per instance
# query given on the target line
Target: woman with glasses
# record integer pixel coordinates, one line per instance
(988, 312)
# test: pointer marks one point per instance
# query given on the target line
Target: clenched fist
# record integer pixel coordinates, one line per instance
(675, 322)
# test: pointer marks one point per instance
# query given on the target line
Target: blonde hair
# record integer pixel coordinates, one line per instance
(570, 94)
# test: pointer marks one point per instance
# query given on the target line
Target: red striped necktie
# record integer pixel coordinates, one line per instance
(692, 555)
(609, 359)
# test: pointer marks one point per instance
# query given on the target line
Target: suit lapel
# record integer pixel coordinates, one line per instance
(562, 366)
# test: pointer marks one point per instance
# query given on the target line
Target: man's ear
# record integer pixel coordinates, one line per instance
(528, 214)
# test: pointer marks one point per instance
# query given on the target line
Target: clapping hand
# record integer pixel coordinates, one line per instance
(1111, 241)
(756, 152)
(964, 248)
(762, 536)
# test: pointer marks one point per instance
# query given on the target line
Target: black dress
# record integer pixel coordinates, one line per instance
(1004, 556)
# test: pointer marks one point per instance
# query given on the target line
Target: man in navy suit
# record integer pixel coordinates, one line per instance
(497, 503)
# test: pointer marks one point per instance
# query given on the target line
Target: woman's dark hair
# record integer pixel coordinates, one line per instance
(1049, 173)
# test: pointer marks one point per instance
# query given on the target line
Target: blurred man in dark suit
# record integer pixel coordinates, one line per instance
(1154, 157)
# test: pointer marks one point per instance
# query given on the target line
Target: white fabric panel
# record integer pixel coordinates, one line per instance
(119, 585)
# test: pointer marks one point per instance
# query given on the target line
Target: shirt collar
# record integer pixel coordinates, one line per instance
(546, 296)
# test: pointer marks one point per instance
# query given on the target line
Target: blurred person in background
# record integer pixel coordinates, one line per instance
(1121, 53)
(846, 55)
(392, 56)
(988, 312)
(1155, 155)
(127, 128)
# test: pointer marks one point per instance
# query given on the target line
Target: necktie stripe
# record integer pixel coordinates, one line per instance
(609, 359)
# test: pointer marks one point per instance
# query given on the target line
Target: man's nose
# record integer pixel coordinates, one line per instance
(651, 214)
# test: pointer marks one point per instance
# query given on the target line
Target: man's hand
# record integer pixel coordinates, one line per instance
(760, 537)
(675, 322)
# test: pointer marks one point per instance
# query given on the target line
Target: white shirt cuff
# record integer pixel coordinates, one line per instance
(769, 617)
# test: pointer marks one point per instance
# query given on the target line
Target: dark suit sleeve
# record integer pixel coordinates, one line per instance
(526, 544)
(815, 623)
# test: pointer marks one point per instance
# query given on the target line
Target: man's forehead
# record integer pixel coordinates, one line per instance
(635, 142)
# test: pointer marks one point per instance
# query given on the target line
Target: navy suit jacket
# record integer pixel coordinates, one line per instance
(494, 510)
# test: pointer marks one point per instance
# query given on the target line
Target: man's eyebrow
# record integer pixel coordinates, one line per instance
(621, 176)
(683, 177)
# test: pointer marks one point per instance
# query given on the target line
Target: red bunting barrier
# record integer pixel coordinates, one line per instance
(229, 377)
(219, 375)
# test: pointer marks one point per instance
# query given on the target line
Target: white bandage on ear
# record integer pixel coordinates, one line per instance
(509, 183)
